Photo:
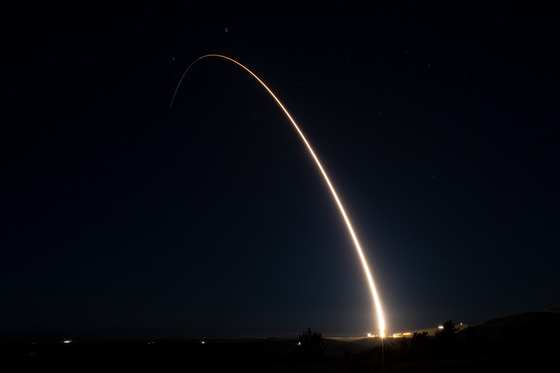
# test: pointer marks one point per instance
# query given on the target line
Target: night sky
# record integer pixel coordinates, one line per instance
(439, 127)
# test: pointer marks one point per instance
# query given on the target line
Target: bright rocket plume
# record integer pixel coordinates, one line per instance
(377, 302)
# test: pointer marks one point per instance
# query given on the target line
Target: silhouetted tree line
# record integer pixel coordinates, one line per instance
(310, 346)
(445, 344)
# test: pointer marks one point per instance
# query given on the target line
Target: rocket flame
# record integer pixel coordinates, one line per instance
(377, 302)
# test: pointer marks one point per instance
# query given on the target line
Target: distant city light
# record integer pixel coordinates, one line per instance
(440, 327)
(401, 335)
(369, 335)
(203, 342)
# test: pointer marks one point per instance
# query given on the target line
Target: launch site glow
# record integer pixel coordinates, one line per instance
(377, 302)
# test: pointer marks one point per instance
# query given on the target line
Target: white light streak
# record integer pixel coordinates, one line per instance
(377, 302)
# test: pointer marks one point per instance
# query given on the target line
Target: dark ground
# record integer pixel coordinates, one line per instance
(527, 341)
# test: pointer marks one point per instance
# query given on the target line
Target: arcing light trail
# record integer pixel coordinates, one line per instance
(377, 302)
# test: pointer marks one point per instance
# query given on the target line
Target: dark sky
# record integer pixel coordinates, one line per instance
(118, 217)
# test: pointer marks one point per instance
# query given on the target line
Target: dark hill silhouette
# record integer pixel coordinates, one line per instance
(530, 325)
(527, 341)
(529, 336)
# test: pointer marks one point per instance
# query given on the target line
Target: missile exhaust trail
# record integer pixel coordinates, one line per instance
(377, 302)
